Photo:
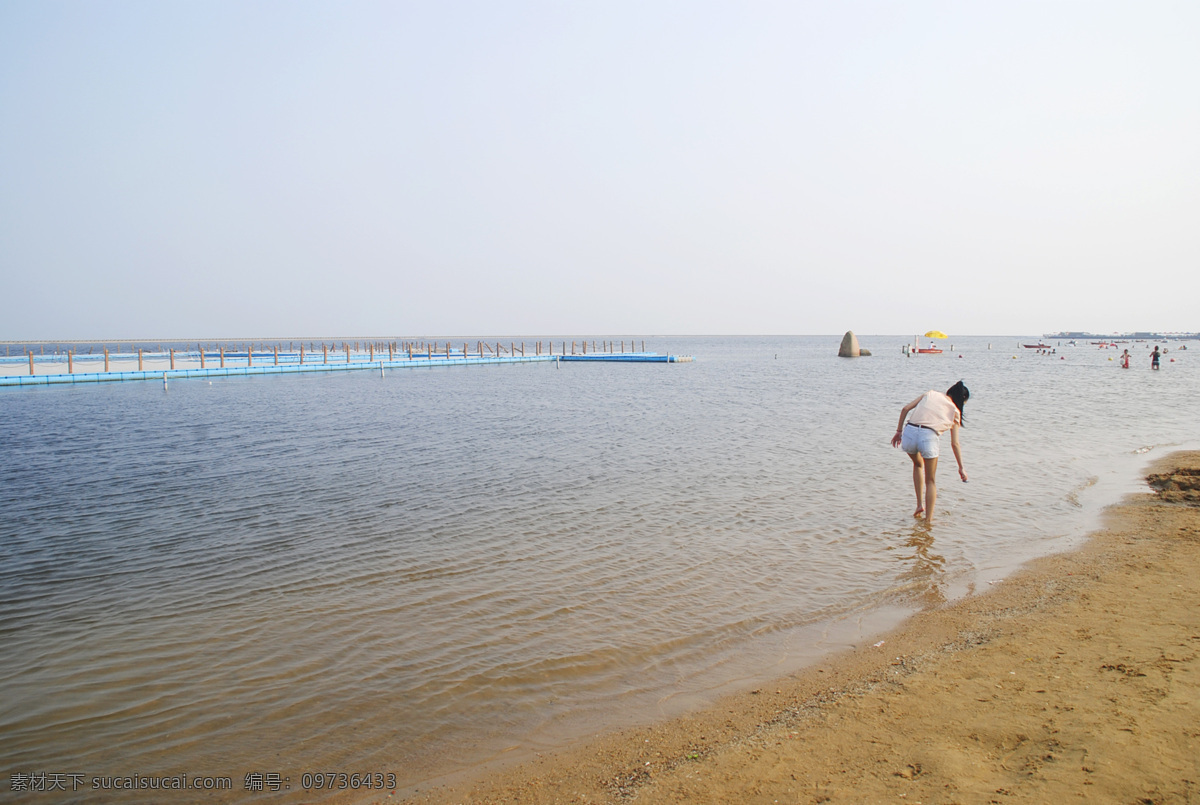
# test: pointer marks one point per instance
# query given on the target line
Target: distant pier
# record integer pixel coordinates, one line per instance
(67, 366)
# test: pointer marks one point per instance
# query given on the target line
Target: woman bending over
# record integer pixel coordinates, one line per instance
(929, 416)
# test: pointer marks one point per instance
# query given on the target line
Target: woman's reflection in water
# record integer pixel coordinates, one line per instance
(923, 578)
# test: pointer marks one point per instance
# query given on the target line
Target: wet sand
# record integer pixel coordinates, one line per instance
(1077, 679)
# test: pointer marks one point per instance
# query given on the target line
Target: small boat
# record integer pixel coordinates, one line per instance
(1037, 346)
(932, 349)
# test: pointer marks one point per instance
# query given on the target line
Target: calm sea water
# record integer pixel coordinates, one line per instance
(418, 572)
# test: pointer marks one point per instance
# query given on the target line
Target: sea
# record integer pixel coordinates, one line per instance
(429, 572)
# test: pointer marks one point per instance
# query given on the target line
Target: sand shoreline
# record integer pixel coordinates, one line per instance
(1078, 677)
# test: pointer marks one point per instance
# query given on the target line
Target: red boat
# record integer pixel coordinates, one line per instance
(932, 349)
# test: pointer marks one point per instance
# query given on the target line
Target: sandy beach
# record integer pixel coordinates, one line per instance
(1077, 678)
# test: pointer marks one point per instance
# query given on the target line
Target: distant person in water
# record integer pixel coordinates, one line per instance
(932, 414)
(1125, 359)
(1154, 358)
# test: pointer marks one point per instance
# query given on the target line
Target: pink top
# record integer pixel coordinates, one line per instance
(935, 410)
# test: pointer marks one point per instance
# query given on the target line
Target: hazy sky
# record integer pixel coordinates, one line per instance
(209, 169)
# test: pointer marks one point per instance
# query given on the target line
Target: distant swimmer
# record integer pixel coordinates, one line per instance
(932, 414)
(1154, 358)
(1125, 359)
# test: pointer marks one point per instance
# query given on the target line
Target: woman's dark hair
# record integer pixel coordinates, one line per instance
(959, 394)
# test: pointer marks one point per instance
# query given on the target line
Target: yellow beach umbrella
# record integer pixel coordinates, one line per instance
(936, 334)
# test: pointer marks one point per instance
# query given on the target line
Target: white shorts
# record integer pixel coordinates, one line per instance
(916, 439)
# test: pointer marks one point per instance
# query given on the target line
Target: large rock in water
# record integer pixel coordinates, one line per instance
(849, 347)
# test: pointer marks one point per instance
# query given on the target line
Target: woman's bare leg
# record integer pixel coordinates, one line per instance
(930, 487)
(918, 482)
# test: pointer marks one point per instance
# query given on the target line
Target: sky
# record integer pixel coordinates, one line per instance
(273, 169)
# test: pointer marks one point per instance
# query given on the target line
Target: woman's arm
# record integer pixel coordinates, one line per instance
(904, 413)
(954, 445)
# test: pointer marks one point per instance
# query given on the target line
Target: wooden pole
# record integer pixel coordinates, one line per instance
(106, 359)
(371, 347)
(391, 354)
(301, 353)
(201, 356)
(140, 359)
(643, 345)
(31, 361)
(70, 363)
(276, 354)
(324, 353)
(172, 359)
(222, 356)
(250, 355)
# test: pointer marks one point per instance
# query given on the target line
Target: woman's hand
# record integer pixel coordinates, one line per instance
(896, 439)
(962, 474)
